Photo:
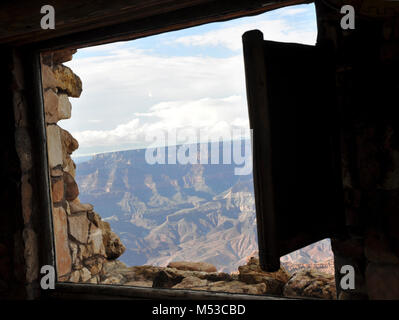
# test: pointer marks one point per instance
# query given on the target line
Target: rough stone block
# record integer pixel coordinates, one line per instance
(56, 172)
(75, 276)
(85, 274)
(67, 81)
(64, 107)
(63, 256)
(48, 78)
(77, 207)
(96, 240)
(70, 144)
(54, 146)
(51, 103)
(79, 227)
(70, 166)
(57, 189)
(70, 186)
(193, 266)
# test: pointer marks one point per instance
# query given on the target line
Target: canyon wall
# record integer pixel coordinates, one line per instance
(83, 242)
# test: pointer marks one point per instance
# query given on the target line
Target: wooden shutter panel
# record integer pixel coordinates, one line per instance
(296, 166)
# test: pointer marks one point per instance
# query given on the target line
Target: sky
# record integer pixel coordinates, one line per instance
(187, 80)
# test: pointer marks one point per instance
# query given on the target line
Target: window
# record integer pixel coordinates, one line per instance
(144, 208)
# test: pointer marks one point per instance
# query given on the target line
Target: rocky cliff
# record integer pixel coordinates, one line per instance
(166, 213)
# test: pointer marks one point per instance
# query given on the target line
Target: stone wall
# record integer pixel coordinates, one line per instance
(19, 254)
(367, 65)
(83, 242)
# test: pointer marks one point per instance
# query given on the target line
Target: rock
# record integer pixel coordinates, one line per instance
(85, 274)
(95, 268)
(84, 252)
(253, 266)
(229, 286)
(165, 279)
(51, 103)
(76, 206)
(79, 227)
(192, 266)
(326, 266)
(238, 287)
(57, 189)
(310, 283)
(48, 79)
(64, 107)
(69, 143)
(69, 166)
(191, 282)
(147, 284)
(93, 280)
(70, 186)
(145, 272)
(56, 172)
(76, 263)
(67, 81)
(56, 107)
(93, 217)
(113, 245)
(169, 277)
(64, 55)
(114, 279)
(111, 265)
(114, 248)
(96, 240)
(54, 146)
(75, 276)
(63, 256)
(251, 273)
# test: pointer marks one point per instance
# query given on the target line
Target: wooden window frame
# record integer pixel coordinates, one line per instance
(30, 55)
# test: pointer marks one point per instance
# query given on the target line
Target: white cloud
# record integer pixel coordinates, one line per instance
(214, 116)
(275, 30)
(128, 92)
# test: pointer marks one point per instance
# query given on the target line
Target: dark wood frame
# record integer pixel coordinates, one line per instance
(30, 54)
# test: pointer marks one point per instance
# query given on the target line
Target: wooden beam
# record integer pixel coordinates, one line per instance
(100, 291)
(109, 25)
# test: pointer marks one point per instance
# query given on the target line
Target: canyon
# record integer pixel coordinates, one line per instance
(172, 212)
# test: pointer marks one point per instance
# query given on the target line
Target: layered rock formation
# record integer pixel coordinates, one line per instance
(83, 242)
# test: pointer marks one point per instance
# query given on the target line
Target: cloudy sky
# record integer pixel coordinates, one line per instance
(188, 79)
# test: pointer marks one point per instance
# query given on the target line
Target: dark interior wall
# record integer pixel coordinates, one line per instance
(12, 275)
(21, 225)
(367, 65)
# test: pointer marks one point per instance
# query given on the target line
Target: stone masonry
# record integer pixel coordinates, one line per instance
(83, 242)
